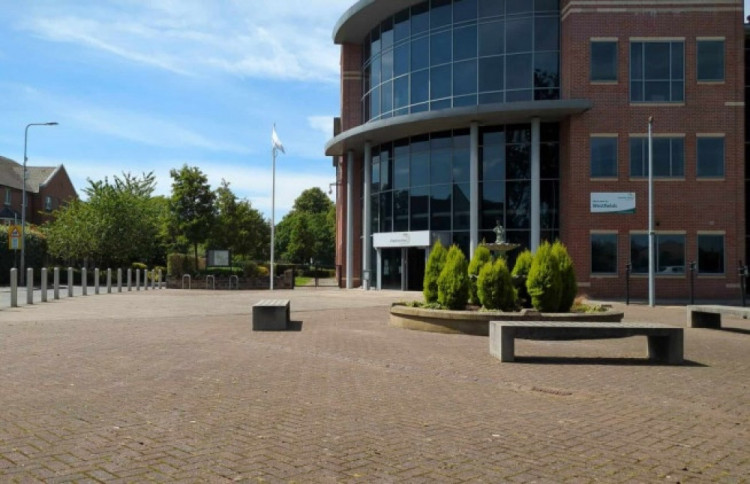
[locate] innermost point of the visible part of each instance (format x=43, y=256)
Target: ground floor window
x=604, y=253
x=669, y=253
x=710, y=254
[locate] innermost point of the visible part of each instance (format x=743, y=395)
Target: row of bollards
x=156, y=283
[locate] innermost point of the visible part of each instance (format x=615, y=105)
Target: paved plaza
x=174, y=386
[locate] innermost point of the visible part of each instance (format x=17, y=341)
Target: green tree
x=434, y=265
x=482, y=255
x=495, y=286
x=453, y=282
x=567, y=276
x=192, y=205
x=544, y=283
x=308, y=230
x=238, y=226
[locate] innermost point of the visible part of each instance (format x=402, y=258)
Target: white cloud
x=323, y=124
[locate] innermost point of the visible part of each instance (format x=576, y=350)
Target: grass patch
x=302, y=280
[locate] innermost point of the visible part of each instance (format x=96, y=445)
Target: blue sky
x=143, y=86
x=148, y=86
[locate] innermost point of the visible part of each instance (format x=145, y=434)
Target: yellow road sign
x=14, y=237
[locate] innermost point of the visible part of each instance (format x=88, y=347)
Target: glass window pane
x=375, y=103
x=420, y=168
x=492, y=210
x=518, y=72
x=710, y=60
x=401, y=92
x=440, y=48
x=546, y=5
x=440, y=13
x=604, y=61
x=386, y=95
x=518, y=203
x=465, y=77
x=656, y=91
x=710, y=157
x=386, y=166
x=493, y=162
x=639, y=253
x=662, y=156
x=461, y=206
x=461, y=165
x=603, y=157
x=375, y=174
x=604, y=253
x=440, y=167
x=465, y=43
x=375, y=41
x=401, y=59
x=386, y=212
x=386, y=34
x=678, y=157
x=518, y=6
x=401, y=165
x=375, y=71
x=420, y=53
x=490, y=8
x=518, y=35
x=657, y=56
x=518, y=159
x=546, y=70
x=440, y=82
x=711, y=254
x=671, y=254
x=440, y=207
x=491, y=38
x=549, y=154
x=420, y=19
x=678, y=60
x=400, y=210
x=420, y=208
x=491, y=74
x=638, y=160
x=420, y=86
x=464, y=10
x=549, y=205
x=546, y=35
x=401, y=27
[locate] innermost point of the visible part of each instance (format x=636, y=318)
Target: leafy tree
x=192, y=205
x=544, y=283
x=453, y=282
x=567, y=275
x=434, y=265
x=523, y=263
x=308, y=230
x=312, y=200
x=482, y=255
x=238, y=226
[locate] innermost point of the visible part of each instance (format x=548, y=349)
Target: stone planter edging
x=478, y=322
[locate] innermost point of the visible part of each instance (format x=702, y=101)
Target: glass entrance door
x=392, y=268
x=415, y=270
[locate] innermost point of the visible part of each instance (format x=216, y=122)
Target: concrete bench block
x=271, y=315
x=709, y=316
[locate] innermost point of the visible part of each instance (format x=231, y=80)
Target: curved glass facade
x=441, y=54
x=422, y=183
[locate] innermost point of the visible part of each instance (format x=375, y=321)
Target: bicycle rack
x=213, y=282
x=236, y=280
x=189, y=279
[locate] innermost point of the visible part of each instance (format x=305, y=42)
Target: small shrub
x=453, y=282
x=569, y=288
x=250, y=269
x=495, y=286
x=523, y=264
x=139, y=265
x=544, y=283
x=482, y=256
x=263, y=271
x=432, y=271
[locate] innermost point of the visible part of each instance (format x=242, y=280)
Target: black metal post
x=743, y=274
x=627, y=284
x=692, y=282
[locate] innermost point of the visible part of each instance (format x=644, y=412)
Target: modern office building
x=461, y=115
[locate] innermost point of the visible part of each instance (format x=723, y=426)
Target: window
x=8, y=196
x=48, y=203
x=604, y=253
x=669, y=252
x=710, y=60
x=710, y=254
x=657, y=72
x=669, y=157
x=604, y=60
x=710, y=157
x=603, y=157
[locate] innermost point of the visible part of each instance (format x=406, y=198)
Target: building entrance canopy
x=391, y=240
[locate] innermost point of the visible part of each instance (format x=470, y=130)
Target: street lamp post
x=23, y=195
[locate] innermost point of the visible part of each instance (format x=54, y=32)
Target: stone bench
x=665, y=343
x=709, y=316
x=271, y=315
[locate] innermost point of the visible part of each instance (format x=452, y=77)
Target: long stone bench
x=665, y=343
x=271, y=315
x=709, y=316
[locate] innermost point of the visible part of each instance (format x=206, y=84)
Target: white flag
x=276, y=141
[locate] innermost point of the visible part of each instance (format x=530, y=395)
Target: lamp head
x=53, y=123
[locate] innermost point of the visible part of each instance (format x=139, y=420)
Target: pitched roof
x=11, y=175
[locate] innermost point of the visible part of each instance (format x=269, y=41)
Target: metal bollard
x=70, y=282
x=160, y=283
x=153, y=279
x=109, y=281
x=130, y=272
x=742, y=270
x=44, y=284
x=14, y=288
x=56, y=283
x=96, y=280
x=29, y=286
x=145, y=279
x=628, y=267
x=692, y=282
x=84, y=282
x=137, y=279
x=119, y=279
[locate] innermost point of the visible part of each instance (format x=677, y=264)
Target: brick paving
x=173, y=386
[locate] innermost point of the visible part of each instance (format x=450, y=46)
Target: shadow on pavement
x=563, y=360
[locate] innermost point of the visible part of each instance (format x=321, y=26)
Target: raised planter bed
x=478, y=322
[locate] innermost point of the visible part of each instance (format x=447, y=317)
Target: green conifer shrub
x=544, y=282
x=567, y=275
x=523, y=264
x=482, y=256
x=495, y=286
x=453, y=282
x=432, y=271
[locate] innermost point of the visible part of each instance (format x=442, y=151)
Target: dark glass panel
x=401, y=27
x=375, y=174
x=671, y=253
x=491, y=74
x=518, y=203
x=375, y=71
x=657, y=91
x=710, y=157
x=657, y=60
x=491, y=98
x=386, y=212
x=549, y=208
x=662, y=157
x=546, y=93
x=375, y=103
x=549, y=132
x=440, y=13
x=464, y=10
x=678, y=60
x=461, y=139
x=639, y=253
x=518, y=161
x=401, y=92
x=401, y=210
x=420, y=53
x=604, y=253
x=375, y=41
x=493, y=162
x=386, y=63
x=465, y=77
x=492, y=209
x=519, y=95
x=638, y=160
x=494, y=136
x=678, y=91
x=420, y=168
x=420, y=86
x=420, y=208
x=440, y=82
x=462, y=240
x=440, y=207
x=386, y=94
x=440, y=166
x=441, y=47
x=549, y=160
x=461, y=164
x=710, y=254
x=386, y=168
x=490, y=8
x=518, y=133
x=461, y=101
x=420, y=143
x=513, y=7
x=386, y=34
x=465, y=43
x=518, y=71
x=546, y=33
x=678, y=157
x=518, y=38
x=375, y=200
x=603, y=61
x=420, y=18
x=441, y=140
x=636, y=91
x=547, y=5
x=401, y=164
x=603, y=157
x=711, y=60
x=443, y=104
x=419, y=108
x=546, y=70
x=401, y=59
x=491, y=38
x=636, y=60
x=461, y=208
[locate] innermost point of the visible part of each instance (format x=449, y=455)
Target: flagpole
x=273, y=207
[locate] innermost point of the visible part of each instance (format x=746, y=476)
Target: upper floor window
x=657, y=72
x=48, y=203
x=8, y=196
x=603, y=157
x=603, y=60
x=668, y=158
x=710, y=157
x=710, y=60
